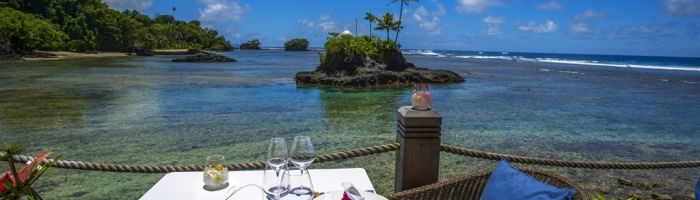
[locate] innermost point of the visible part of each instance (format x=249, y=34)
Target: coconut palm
x=371, y=18
x=387, y=23
x=403, y=2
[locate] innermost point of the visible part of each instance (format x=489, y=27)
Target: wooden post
x=418, y=159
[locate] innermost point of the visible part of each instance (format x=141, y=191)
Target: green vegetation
x=371, y=18
x=296, y=44
x=92, y=25
x=252, y=44
x=387, y=23
x=403, y=2
x=23, y=32
x=344, y=53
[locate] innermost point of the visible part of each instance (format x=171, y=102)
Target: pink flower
x=6, y=177
x=24, y=172
x=27, y=169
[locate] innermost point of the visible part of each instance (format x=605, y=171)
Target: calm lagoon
x=150, y=111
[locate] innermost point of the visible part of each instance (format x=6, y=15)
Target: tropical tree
x=251, y=44
x=26, y=32
x=296, y=44
x=371, y=18
x=387, y=23
x=403, y=2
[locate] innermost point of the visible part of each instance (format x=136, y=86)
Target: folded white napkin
x=351, y=192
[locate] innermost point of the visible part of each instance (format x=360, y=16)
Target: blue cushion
x=697, y=190
x=507, y=182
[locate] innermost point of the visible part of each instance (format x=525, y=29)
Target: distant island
x=365, y=61
x=91, y=26
x=368, y=61
x=296, y=44
x=252, y=44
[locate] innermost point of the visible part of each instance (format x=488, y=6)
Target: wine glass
x=300, y=185
x=215, y=173
x=275, y=185
x=302, y=152
x=277, y=154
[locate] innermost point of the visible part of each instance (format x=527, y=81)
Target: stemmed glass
x=274, y=183
x=302, y=152
x=277, y=154
x=300, y=184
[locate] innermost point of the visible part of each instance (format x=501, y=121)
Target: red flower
x=6, y=177
x=27, y=169
x=24, y=172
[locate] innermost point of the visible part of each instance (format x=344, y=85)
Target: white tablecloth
x=189, y=185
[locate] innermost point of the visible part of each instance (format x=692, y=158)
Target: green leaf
x=33, y=195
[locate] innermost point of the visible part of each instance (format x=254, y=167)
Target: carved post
x=418, y=159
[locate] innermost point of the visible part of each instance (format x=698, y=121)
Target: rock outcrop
x=204, y=57
x=373, y=74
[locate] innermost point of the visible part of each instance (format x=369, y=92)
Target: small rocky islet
x=363, y=61
x=203, y=56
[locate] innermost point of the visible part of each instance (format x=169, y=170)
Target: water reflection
x=48, y=108
x=372, y=109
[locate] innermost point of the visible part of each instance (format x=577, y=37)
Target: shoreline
x=64, y=55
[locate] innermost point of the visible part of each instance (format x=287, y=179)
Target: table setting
x=286, y=176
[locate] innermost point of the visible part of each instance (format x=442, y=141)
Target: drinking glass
x=215, y=173
x=421, y=98
x=275, y=184
x=302, y=152
x=300, y=185
x=277, y=154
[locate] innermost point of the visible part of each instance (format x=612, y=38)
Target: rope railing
x=565, y=163
x=184, y=168
x=370, y=151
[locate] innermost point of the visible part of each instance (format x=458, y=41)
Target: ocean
x=150, y=111
x=642, y=62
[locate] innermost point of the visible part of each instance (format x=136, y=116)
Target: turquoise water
x=148, y=110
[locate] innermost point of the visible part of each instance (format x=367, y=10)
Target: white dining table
x=190, y=186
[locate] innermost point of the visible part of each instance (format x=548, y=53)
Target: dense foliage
x=92, y=25
x=252, y=44
x=344, y=53
x=296, y=44
x=23, y=32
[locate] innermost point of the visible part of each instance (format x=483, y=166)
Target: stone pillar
x=418, y=159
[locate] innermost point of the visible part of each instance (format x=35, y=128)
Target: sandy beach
x=62, y=55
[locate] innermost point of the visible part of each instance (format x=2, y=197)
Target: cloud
x=578, y=28
x=327, y=24
x=222, y=11
x=475, y=6
x=682, y=7
x=139, y=5
x=494, y=25
x=640, y=29
x=429, y=22
x=545, y=27
x=580, y=24
x=550, y=5
x=306, y=23
x=320, y=27
x=589, y=14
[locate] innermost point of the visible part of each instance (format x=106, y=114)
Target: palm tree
x=371, y=18
x=387, y=23
x=403, y=2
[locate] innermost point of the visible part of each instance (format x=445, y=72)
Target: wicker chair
x=470, y=187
